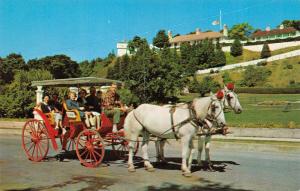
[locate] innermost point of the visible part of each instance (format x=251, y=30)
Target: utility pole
x=220, y=19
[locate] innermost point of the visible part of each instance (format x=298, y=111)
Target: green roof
x=86, y=81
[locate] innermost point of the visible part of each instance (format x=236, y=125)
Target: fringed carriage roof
x=86, y=81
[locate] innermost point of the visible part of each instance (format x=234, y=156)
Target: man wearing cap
x=113, y=106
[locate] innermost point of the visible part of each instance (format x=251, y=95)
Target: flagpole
x=220, y=19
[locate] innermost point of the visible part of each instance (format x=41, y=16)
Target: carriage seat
x=72, y=114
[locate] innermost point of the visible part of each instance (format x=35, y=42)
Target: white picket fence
x=253, y=62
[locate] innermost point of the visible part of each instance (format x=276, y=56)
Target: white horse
x=230, y=100
x=156, y=120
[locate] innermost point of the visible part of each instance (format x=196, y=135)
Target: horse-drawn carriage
x=89, y=143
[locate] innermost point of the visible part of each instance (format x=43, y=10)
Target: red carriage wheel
x=90, y=148
x=35, y=140
x=120, y=146
x=71, y=144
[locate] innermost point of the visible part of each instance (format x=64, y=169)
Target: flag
x=216, y=22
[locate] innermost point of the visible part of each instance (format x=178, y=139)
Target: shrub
x=262, y=63
x=265, y=52
x=289, y=66
x=236, y=48
x=256, y=90
x=226, y=78
x=254, y=76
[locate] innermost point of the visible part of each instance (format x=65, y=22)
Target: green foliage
x=288, y=66
x=240, y=31
x=262, y=63
x=226, y=78
x=201, y=56
x=265, y=52
x=254, y=76
x=136, y=43
x=206, y=85
x=291, y=23
x=60, y=66
x=128, y=97
x=257, y=90
x=161, y=39
x=152, y=76
x=219, y=58
x=18, y=98
x=236, y=48
x=9, y=66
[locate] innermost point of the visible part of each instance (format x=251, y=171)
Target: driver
x=113, y=107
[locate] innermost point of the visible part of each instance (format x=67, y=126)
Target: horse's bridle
x=228, y=100
x=214, y=118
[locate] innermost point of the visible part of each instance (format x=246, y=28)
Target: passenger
x=113, y=106
x=45, y=107
x=73, y=104
x=82, y=99
x=56, y=106
x=94, y=105
x=93, y=101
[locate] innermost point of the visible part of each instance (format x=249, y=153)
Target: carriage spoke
x=32, y=154
x=85, y=151
x=95, y=159
x=97, y=153
x=37, y=151
x=31, y=146
x=26, y=143
x=42, y=148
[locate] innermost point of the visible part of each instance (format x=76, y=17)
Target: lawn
x=249, y=55
x=280, y=77
x=264, y=110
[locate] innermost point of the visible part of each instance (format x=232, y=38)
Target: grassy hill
x=281, y=76
x=249, y=55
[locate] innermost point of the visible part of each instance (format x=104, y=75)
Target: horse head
x=231, y=99
x=210, y=108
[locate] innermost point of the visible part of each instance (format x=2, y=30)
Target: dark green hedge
x=268, y=90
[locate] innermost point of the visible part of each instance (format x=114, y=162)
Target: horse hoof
x=131, y=169
x=210, y=168
x=187, y=174
x=150, y=169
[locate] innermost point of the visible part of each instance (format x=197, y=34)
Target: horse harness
x=193, y=120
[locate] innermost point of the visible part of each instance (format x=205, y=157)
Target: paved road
x=238, y=165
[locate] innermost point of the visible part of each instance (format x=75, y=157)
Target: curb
x=243, y=134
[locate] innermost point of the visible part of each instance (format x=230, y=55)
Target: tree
x=254, y=76
x=161, y=39
x=265, y=52
x=240, y=31
x=291, y=23
x=236, y=48
x=60, y=66
x=136, y=43
x=18, y=99
x=220, y=58
x=9, y=66
x=207, y=85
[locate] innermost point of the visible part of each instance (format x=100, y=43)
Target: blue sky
x=86, y=29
